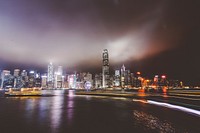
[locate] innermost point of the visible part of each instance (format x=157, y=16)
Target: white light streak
x=174, y=107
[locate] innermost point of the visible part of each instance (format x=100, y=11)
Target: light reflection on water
x=70, y=109
x=30, y=105
x=49, y=110
x=56, y=112
x=151, y=122
x=43, y=107
x=64, y=113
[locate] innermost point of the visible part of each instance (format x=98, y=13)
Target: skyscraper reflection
x=70, y=109
x=56, y=112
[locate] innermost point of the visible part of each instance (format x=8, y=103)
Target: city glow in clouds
x=38, y=32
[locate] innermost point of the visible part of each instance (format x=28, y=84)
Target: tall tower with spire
x=105, y=69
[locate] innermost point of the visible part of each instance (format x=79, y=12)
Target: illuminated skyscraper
x=72, y=81
x=24, y=77
x=60, y=70
x=50, y=75
x=5, y=76
x=105, y=69
x=117, y=78
x=58, y=78
x=127, y=78
x=123, y=70
x=16, y=72
x=50, y=72
x=44, y=81
x=97, y=80
x=24, y=73
x=38, y=80
x=17, y=79
x=31, y=79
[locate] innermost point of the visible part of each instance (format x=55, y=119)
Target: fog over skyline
x=75, y=32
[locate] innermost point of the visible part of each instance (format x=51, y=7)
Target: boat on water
x=24, y=92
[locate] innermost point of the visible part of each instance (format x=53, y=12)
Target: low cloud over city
x=75, y=32
x=72, y=32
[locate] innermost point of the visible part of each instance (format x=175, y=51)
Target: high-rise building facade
x=87, y=79
x=105, y=69
x=24, y=77
x=16, y=72
x=24, y=73
x=38, y=80
x=72, y=81
x=123, y=70
x=127, y=78
x=117, y=78
x=5, y=78
x=50, y=72
x=84, y=79
x=44, y=81
x=97, y=80
x=60, y=70
x=50, y=76
x=59, y=78
x=31, y=79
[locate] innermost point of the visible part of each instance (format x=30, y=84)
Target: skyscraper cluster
x=124, y=78
x=20, y=79
x=56, y=78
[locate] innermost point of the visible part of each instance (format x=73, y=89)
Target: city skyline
x=56, y=79
x=53, y=69
x=157, y=37
x=99, y=66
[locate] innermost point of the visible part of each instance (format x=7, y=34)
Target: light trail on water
x=177, y=107
x=193, y=111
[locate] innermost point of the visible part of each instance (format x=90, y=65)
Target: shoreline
x=175, y=100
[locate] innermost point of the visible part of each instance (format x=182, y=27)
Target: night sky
x=151, y=36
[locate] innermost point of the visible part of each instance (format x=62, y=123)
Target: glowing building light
x=72, y=81
x=31, y=72
x=37, y=75
x=138, y=73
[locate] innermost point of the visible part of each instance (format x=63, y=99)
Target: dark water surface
x=87, y=114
